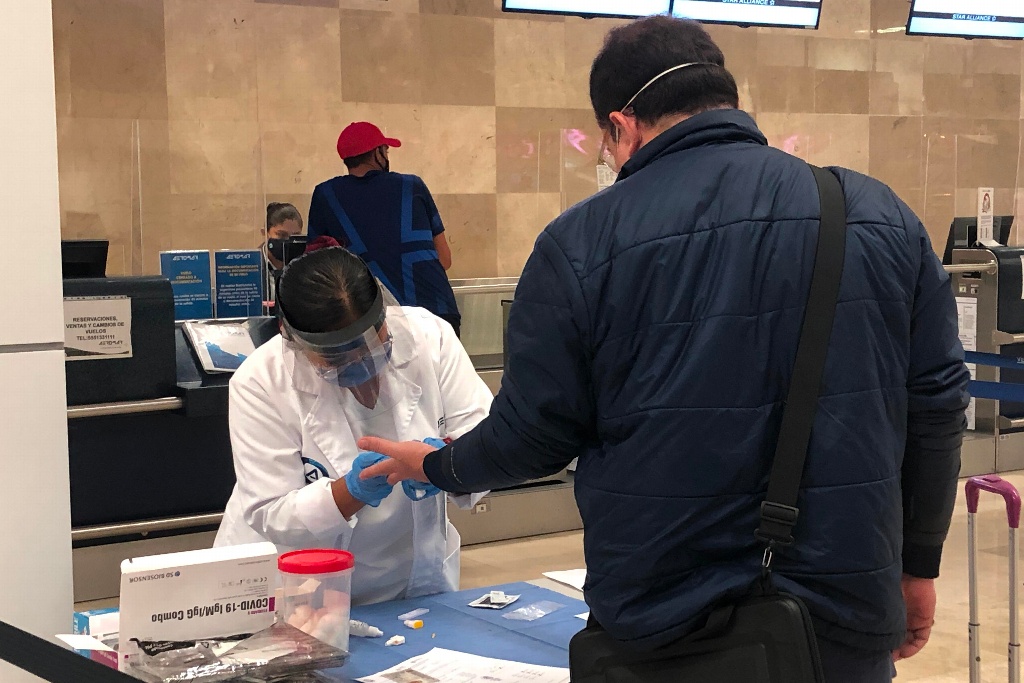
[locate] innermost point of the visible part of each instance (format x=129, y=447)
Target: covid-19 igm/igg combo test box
x=196, y=595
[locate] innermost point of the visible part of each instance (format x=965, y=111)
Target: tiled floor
x=943, y=661
x=524, y=560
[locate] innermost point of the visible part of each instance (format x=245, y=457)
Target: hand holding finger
x=377, y=445
x=406, y=457
x=385, y=468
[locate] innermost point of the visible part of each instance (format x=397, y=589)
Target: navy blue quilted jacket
x=653, y=335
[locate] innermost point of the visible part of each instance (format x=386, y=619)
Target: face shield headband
x=350, y=356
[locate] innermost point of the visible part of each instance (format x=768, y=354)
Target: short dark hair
x=326, y=290
x=279, y=212
x=355, y=162
x=637, y=52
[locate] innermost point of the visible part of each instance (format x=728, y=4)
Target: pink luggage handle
x=1010, y=495
x=997, y=485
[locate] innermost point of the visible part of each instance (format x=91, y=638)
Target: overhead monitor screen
x=967, y=18
x=590, y=8
x=788, y=13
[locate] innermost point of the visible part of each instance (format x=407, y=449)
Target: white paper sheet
x=450, y=666
x=79, y=641
x=967, y=317
x=570, y=577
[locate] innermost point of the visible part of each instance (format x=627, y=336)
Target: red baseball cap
x=362, y=137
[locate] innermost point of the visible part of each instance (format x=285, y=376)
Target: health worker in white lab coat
x=349, y=363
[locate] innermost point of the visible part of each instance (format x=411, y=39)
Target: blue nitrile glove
x=370, y=491
x=417, y=490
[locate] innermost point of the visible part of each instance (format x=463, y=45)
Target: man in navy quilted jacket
x=653, y=335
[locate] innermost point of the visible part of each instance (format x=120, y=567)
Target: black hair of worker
x=326, y=290
x=635, y=53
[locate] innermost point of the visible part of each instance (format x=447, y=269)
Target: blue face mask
x=362, y=371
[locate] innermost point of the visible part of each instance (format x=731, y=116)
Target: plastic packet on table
x=485, y=602
x=278, y=653
x=534, y=611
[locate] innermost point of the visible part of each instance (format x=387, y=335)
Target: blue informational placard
x=189, y=273
x=239, y=283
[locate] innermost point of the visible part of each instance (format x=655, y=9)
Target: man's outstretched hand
x=405, y=459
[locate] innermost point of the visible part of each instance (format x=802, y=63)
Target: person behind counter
x=349, y=362
x=388, y=219
x=283, y=221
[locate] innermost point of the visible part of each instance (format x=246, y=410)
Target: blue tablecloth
x=453, y=625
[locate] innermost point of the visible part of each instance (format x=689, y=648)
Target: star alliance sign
x=975, y=17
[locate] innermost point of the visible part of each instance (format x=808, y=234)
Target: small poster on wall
x=986, y=216
x=189, y=273
x=239, y=283
x=97, y=327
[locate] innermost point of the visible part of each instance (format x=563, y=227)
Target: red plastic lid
x=315, y=561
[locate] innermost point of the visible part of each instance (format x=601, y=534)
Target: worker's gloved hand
x=369, y=491
x=417, y=491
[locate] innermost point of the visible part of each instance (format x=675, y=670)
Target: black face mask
x=276, y=248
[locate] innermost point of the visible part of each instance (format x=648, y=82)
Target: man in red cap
x=388, y=219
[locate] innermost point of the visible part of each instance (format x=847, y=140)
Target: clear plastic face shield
x=349, y=357
x=608, y=168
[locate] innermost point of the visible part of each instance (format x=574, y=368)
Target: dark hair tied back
x=279, y=212
x=326, y=290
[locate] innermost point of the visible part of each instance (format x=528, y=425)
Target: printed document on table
x=570, y=577
x=448, y=666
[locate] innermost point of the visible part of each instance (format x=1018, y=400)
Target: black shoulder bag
x=766, y=637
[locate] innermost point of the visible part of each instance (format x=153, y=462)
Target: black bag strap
x=52, y=662
x=778, y=511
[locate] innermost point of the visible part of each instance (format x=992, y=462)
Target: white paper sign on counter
x=97, y=327
x=967, y=318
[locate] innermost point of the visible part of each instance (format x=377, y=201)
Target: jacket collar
x=369, y=175
x=305, y=378
x=710, y=127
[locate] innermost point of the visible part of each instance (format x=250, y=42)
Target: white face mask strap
x=664, y=73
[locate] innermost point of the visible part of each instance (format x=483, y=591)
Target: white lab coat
x=292, y=433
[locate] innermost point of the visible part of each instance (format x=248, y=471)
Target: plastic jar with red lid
x=316, y=593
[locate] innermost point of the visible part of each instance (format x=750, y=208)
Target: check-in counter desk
x=540, y=507
x=988, y=283
x=150, y=455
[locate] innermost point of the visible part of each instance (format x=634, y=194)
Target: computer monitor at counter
x=83, y=258
x=963, y=234
x=291, y=248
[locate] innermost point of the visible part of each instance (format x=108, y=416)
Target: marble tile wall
x=178, y=120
